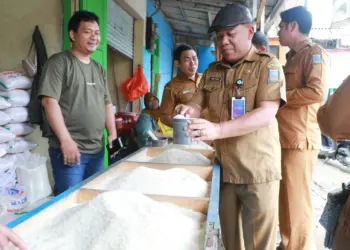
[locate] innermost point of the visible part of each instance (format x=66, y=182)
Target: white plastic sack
x=13, y=198
x=4, y=118
x=6, y=135
x=17, y=97
x=10, y=80
x=20, y=128
x=19, y=146
x=3, y=149
x=17, y=114
x=4, y=104
x=33, y=174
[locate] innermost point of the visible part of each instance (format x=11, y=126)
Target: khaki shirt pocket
x=214, y=99
x=186, y=96
x=290, y=73
x=249, y=92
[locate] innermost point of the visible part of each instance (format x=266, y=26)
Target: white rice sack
x=4, y=118
x=3, y=149
x=17, y=98
x=20, y=128
x=10, y=80
x=6, y=135
x=4, y=104
x=20, y=145
x=17, y=114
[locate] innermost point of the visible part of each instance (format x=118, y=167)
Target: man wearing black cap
x=243, y=93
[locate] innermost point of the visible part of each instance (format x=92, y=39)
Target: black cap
x=230, y=16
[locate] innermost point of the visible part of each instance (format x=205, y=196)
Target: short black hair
x=260, y=39
x=81, y=16
x=178, y=51
x=300, y=15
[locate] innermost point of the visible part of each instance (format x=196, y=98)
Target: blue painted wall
x=167, y=45
x=204, y=57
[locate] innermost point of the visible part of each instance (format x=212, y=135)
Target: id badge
x=237, y=107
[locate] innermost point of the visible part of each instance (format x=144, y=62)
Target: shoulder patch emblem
x=274, y=75
x=316, y=59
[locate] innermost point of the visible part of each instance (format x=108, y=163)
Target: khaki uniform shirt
x=334, y=116
x=178, y=91
x=82, y=94
x=255, y=157
x=306, y=80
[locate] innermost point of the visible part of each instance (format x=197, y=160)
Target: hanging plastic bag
x=136, y=86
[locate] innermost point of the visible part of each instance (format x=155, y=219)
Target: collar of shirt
x=251, y=56
x=299, y=47
x=183, y=78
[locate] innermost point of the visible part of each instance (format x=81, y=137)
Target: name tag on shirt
x=213, y=78
x=187, y=91
x=90, y=83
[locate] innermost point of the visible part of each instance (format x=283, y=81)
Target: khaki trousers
x=248, y=215
x=295, y=207
x=342, y=234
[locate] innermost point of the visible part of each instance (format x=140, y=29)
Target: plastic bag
x=20, y=128
x=10, y=80
x=14, y=198
x=6, y=136
x=17, y=98
x=19, y=146
x=3, y=149
x=136, y=86
x=4, y=118
x=32, y=173
x=17, y=114
x=4, y=104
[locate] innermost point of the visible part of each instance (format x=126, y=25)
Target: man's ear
x=72, y=35
x=263, y=49
x=294, y=26
x=250, y=32
x=177, y=63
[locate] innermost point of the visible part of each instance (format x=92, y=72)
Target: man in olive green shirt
x=75, y=96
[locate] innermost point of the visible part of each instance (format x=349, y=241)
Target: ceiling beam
x=185, y=17
x=341, y=23
x=210, y=18
x=192, y=34
x=259, y=16
x=189, y=6
x=209, y=3
x=181, y=22
x=274, y=15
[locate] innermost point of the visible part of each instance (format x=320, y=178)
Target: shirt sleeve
x=272, y=84
x=107, y=95
x=316, y=69
x=52, y=78
x=168, y=101
x=334, y=116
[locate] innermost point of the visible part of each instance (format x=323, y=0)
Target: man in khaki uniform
x=181, y=88
x=247, y=146
x=334, y=120
x=305, y=73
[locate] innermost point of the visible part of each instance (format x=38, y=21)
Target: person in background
x=7, y=236
x=261, y=41
x=75, y=96
x=334, y=120
x=181, y=88
x=148, y=119
x=243, y=92
x=300, y=137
